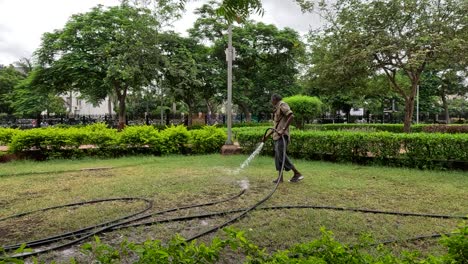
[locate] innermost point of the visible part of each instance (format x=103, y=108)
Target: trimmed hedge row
x=395, y=128
x=452, y=129
x=98, y=139
x=416, y=150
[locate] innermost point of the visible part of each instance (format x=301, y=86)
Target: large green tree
x=105, y=51
x=395, y=37
x=31, y=97
x=265, y=63
x=9, y=78
x=182, y=73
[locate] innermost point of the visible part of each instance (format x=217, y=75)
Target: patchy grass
x=179, y=180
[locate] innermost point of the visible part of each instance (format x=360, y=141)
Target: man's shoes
x=279, y=179
x=296, y=178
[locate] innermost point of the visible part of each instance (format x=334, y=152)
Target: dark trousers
x=280, y=147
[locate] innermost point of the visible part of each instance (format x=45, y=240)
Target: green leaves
x=325, y=249
x=209, y=139
x=239, y=10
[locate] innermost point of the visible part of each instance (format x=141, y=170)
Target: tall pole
x=229, y=87
x=417, y=105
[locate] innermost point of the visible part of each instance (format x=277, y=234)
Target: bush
x=207, y=140
x=66, y=142
x=174, y=140
x=452, y=129
x=457, y=245
x=44, y=139
x=141, y=137
x=6, y=134
x=61, y=142
x=394, y=128
x=415, y=150
x=304, y=108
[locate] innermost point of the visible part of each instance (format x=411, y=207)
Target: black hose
x=246, y=211
x=85, y=233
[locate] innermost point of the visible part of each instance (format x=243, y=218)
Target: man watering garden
x=282, y=117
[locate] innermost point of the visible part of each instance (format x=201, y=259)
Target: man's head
x=276, y=98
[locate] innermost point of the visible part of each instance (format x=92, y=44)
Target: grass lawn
x=179, y=180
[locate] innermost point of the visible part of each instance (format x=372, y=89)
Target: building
x=78, y=106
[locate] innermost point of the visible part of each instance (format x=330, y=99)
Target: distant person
x=282, y=117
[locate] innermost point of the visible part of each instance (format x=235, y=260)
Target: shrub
x=174, y=139
x=304, y=107
x=44, y=139
x=457, y=245
x=207, y=140
x=394, y=128
x=140, y=137
x=61, y=142
x=453, y=129
x=103, y=141
x=6, y=134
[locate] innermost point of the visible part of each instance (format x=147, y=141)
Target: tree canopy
x=105, y=51
x=393, y=37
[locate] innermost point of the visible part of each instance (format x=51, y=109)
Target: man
x=282, y=117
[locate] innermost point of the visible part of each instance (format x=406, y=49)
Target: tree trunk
x=245, y=111
x=190, y=115
x=121, y=96
x=109, y=105
x=38, y=120
x=409, y=110
x=445, y=105
x=209, y=114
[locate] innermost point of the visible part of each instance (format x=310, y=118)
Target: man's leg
x=288, y=165
x=278, y=160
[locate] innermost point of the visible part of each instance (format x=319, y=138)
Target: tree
x=396, y=36
x=105, y=51
x=181, y=71
x=30, y=98
x=9, y=78
x=265, y=64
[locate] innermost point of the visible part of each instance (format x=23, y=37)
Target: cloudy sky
x=22, y=22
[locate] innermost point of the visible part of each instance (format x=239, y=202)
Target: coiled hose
x=129, y=220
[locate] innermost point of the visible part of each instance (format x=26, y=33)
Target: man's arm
x=281, y=130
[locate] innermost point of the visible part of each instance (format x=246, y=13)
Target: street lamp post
x=229, y=57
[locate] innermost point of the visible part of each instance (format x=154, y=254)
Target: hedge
x=452, y=129
x=100, y=140
x=207, y=140
x=424, y=150
x=6, y=134
x=395, y=128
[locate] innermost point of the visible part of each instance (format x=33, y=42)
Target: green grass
x=179, y=180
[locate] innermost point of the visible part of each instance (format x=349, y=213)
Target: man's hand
x=280, y=132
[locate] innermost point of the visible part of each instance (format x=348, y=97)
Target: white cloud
x=22, y=22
